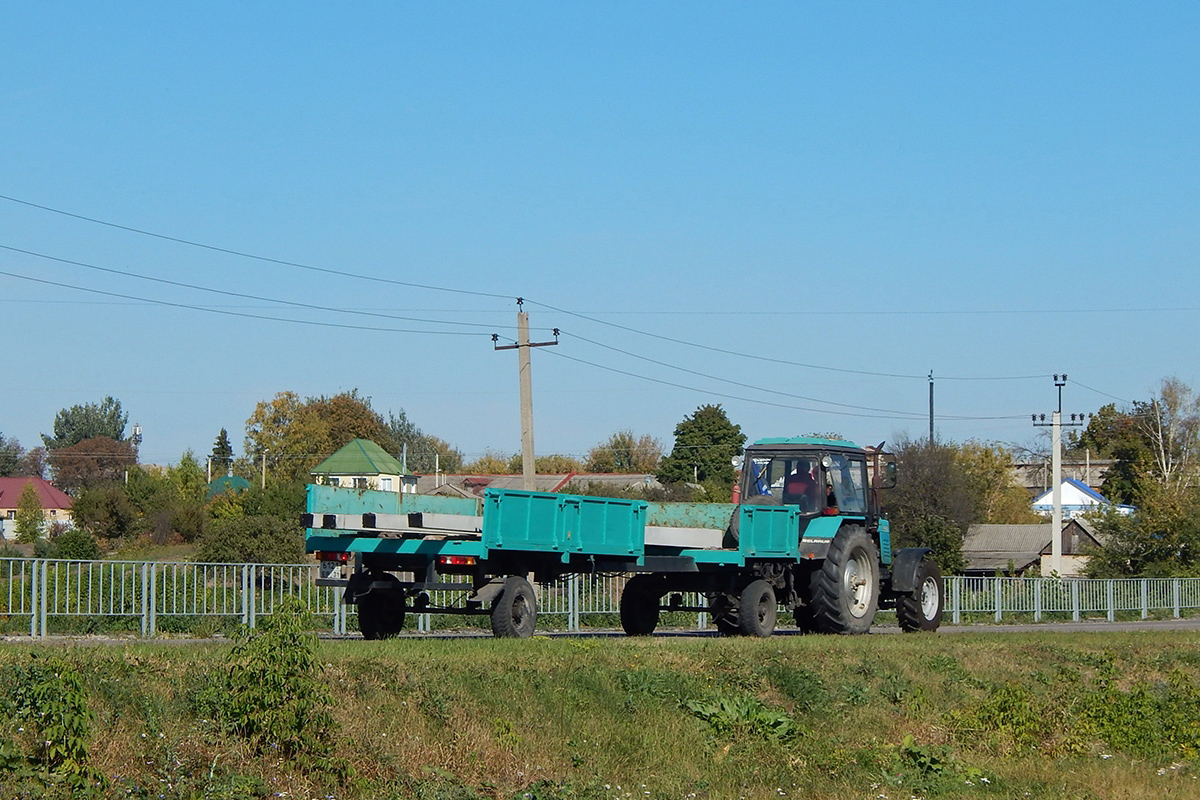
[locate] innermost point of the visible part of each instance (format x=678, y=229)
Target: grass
x=1040, y=715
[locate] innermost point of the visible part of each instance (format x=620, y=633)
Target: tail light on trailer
x=322, y=555
x=456, y=561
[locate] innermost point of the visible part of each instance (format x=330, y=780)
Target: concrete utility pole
x=930, y=408
x=1056, y=425
x=526, y=378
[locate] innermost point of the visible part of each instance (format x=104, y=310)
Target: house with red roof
x=56, y=506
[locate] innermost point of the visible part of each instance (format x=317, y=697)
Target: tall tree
x=91, y=462
x=706, y=442
x=222, y=454
x=298, y=434
x=11, y=454
x=34, y=463
x=30, y=518
x=624, y=452
x=1172, y=428
x=88, y=421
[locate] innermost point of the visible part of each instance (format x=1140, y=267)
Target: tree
x=11, y=454
x=88, y=421
x=432, y=452
x=706, y=443
x=34, y=463
x=105, y=512
x=492, y=462
x=421, y=452
x=624, y=452
x=187, y=480
x=30, y=517
x=222, y=454
x=298, y=434
x=931, y=499
x=1160, y=540
x=1171, y=425
x=91, y=462
x=991, y=482
x=553, y=464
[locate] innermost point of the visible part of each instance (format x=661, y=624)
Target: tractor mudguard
x=904, y=568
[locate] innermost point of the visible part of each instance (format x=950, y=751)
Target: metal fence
x=46, y=596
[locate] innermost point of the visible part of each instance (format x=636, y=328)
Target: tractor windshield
x=787, y=480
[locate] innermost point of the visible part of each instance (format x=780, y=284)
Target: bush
x=75, y=543
x=258, y=539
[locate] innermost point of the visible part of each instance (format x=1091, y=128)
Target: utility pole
x=930, y=408
x=264, y=469
x=1055, y=426
x=526, y=379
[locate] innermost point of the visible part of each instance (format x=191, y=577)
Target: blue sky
x=992, y=191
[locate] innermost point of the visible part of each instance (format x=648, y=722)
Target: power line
x=759, y=402
x=232, y=313
x=1097, y=391
x=242, y=254
x=228, y=293
x=912, y=414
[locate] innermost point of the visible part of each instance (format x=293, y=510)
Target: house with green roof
x=362, y=464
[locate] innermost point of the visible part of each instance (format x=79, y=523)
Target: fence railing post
x=45, y=593
x=145, y=592
x=998, y=598
x=956, y=599
x=153, y=600
x=1075, y=601
x=1175, y=596
x=573, y=603
x=34, y=597
x=252, y=595
x=245, y=595
x=1037, y=599
x=1112, y=600
x=1145, y=598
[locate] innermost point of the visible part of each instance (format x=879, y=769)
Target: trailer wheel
x=381, y=611
x=514, y=612
x=757, y=609
x=846, y=587
x=922, y=609
x=639, y=606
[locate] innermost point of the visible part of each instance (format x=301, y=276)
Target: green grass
x=1038, y=715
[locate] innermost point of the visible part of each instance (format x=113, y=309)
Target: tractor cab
x=822, y=477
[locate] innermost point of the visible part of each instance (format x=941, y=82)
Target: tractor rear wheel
x=846, y=587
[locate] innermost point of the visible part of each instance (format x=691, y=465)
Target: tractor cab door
x=845, y=484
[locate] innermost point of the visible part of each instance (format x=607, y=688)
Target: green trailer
x=806, y=536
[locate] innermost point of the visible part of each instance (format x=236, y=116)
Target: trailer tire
x=381, y=611
x=757, y=609
x=921, y=610
x=514, y=611
x=846, y=587
x=639, y=606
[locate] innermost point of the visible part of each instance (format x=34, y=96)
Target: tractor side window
x=849, y=480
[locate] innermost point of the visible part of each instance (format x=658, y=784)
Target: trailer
x=806, y=537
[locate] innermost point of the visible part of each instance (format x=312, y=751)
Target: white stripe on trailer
x=692, y=538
